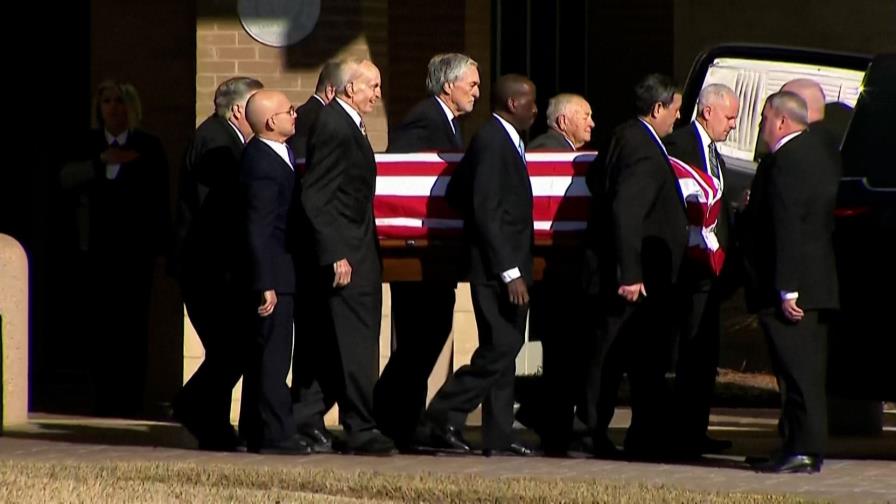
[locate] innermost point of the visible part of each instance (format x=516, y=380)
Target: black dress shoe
x=292, y=446
x=604, y=448
x=372, y=444
x=448, y=437
x=320, y=440
x=511, y=450
x=224, y=441
x=710, y=445
x=790, y=464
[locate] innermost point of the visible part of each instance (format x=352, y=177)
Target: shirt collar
x=321, y=100
x=704, y=136
x=514, y=134
x=786, y=139
x=280, y=149
x=572, y=145
x=121, y=139
x=655, y=136
x=351, y=112
x=237, y=130
x=448, y=113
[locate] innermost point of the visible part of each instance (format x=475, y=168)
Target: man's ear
x=330, y=92
x=511, y=104
x=657, y=109
x=561, y=122
x=350, y=89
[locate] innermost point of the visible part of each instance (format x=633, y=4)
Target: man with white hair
x=337, y=195
x=423, y=312
x=698, y=344
x=555, y=316
x=569, y=124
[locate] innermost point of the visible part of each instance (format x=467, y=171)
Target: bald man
x=337, y=195
x=788, y=247
x=267, y=179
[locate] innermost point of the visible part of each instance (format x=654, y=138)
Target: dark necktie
x=714, y=161
x=291, y=155
x=363, y=128
x=458, y=137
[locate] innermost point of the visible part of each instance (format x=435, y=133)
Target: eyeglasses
x=291, y=111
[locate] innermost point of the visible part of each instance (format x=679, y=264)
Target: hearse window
x=753, y=80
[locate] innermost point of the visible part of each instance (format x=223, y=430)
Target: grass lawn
x=180, y=482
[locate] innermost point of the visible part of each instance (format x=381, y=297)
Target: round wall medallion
x=278, y=23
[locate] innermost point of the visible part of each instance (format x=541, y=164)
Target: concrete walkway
x=857, y=470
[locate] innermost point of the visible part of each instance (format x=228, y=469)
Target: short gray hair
x=232, y=91
x=712, y=94
x=446, y=68
x=558, y=105
x=345, y=73
x=328, y=75
x=791, y=105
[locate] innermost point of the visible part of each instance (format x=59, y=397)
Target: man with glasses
x=267, y=178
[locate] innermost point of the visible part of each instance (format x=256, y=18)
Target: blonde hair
x=129, y=96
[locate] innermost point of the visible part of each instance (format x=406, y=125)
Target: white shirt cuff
x=511, y=275
x=789, y=295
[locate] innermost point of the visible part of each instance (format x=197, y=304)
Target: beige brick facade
x=399, y=37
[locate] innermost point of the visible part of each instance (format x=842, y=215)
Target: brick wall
x=400, y=37
x=346, y=28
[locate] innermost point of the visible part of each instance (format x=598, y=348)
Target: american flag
x=702, y=195
x=410, y=194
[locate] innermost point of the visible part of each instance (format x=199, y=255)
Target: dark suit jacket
x=337, y=194
x=685, y=144
x=267, y=182
x=551, y=140
x=425, y=128
x=209, y=202
x=306, y=115
x=491, y=188
x=789, y=222
x=129, y=214
x=646, y=212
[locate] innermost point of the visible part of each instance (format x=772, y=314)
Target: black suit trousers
x=698, y=353
x=488, y=379
x=316, y=368
x=355, y=311
x=266, y=407
x=636, y=339
x=557, y=318
x=422, y=316
x=215, y=312
x=799, y=358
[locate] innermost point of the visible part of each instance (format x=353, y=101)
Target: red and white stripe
x=702, y=194
x=410, y=194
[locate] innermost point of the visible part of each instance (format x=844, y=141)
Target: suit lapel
x=270, y=152
x=662, y=152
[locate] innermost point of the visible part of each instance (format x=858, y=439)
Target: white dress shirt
x=280, y=149
x=112, y=169
x=513, y=273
